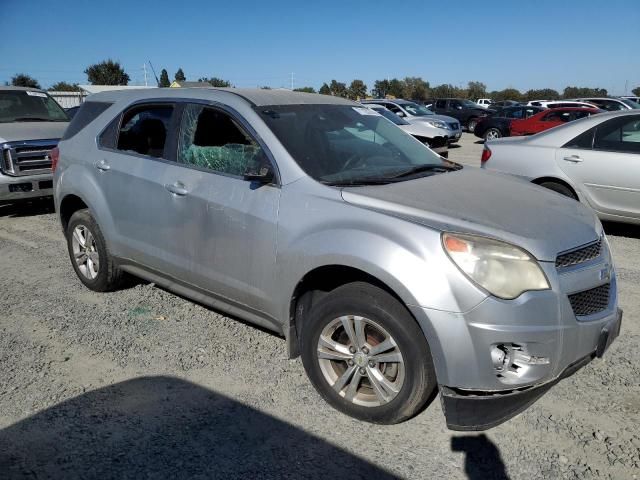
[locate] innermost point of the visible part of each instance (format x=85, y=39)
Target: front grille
x=579, y=255
x=454, y=125
x=27, y=158
x=591, y=301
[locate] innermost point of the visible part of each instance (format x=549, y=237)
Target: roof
x=108, y=88
x=21, y=89
x=186, y=84
x=255, y=96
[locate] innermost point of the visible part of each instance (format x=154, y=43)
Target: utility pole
x=144, y=67
x=291, y=80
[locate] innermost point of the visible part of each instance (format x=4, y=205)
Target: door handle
x=177, y=189
x=102, y=165
x=573, y=159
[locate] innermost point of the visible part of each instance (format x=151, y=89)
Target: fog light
x=500, y=356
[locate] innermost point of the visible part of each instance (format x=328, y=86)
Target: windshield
x=28, y=106
x=349, y=145
x=416, y=110
x=389, y=115
x=631, y=103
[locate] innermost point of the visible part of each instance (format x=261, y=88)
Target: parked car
x=279, y=208
x=485, y=103
x=436, y=138
x=498, y=124
x=31, y=122
x=504, y=103
x=549, y=118
x=595, y=160
x=412, y=113
x=633, y=99
x=466, y=111
x=611, y=104
x=71, y=111
x=559, y=104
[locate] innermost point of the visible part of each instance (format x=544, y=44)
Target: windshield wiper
x=426, y=168
x=31, y=119
x=358, y=182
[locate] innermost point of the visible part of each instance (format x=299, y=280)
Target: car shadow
x=164, y=427
x=621, y=229
x=482, y=458
x=27, y=208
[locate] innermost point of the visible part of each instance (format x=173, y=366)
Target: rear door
x=605, y=163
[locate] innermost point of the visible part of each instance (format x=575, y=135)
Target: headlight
x=504, y=270
x=436, y=123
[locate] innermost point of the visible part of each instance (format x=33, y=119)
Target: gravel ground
x=141, y=383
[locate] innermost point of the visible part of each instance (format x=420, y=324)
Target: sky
x=503, y=43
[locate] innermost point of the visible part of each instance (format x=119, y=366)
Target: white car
x=595, y=160
x=559, y=104
x=484, y=102
x=436, y=138
x=611, y=104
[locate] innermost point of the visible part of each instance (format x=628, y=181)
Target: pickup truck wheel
x=367, y=356
x=492, y=134
x=560, y=188
x=89, y=255
x=471, y=124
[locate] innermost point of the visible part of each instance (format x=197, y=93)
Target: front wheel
x=367, y=356
x=471, y=124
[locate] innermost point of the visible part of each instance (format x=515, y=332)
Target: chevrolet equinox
x=392, y=272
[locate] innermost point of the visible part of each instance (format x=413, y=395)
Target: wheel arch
x=68, y=206
x=549, y=179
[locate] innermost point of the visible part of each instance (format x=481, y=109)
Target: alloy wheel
x=492, y=134
x=85, y=252
x=361, y=361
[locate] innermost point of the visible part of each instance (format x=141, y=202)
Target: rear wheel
x=492, y=134
x=89, y=254
x=366, y=355
x=559, y=188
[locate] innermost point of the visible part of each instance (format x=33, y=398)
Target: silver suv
x=390, y=270
x=31, y=123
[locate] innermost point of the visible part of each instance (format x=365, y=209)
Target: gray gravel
x=141, y=383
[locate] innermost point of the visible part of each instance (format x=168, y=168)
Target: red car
x=550, y=118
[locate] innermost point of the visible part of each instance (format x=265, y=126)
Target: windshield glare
x=25, y=106
x=417, y=110
x=630, y=103
x=347, y=144
x=389, y=115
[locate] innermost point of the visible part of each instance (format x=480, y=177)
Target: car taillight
x=486, y=154
x=55, y=156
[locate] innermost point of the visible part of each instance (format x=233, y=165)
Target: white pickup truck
x=31, y=123
x=484, y=102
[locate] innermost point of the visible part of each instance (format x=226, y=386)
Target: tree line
x=110, y=72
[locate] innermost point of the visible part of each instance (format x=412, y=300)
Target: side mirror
x=401, y=114
x=262, y=174
x=459, y=107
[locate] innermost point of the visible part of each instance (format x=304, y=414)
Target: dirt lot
x=141, y=383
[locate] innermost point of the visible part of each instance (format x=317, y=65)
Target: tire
x=492, y=133
x=96, y=269
x=406, y=381
x=560, y=188
x=471, y=124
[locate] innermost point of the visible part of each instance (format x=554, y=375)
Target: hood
x=16, y=131
x=442, y=118
x=495, y=205
x=423, y=129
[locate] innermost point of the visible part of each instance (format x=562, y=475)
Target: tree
x=338, y=89
x=445, y=91
x=305, y=89
x=216, y=82
x=357, y=90
x=380, y=88
x=107, y=73
x=636, y=91
x=542, y=94
x=324, y=89
x=164, y=79
x=476, y=90
x=179, y=76
x=64, y=87
x=396, y=88
x=23, y=80
x=415, y=88
x=577, y=92
x=506, y=94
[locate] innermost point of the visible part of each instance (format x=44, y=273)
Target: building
x=186, y=84
x=74, y=99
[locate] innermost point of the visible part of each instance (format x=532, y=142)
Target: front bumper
x=475, y=411
x=25, y=187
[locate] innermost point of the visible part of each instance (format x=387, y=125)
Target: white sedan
x=595, y=160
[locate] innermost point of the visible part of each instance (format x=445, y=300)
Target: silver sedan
x=595, y=160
